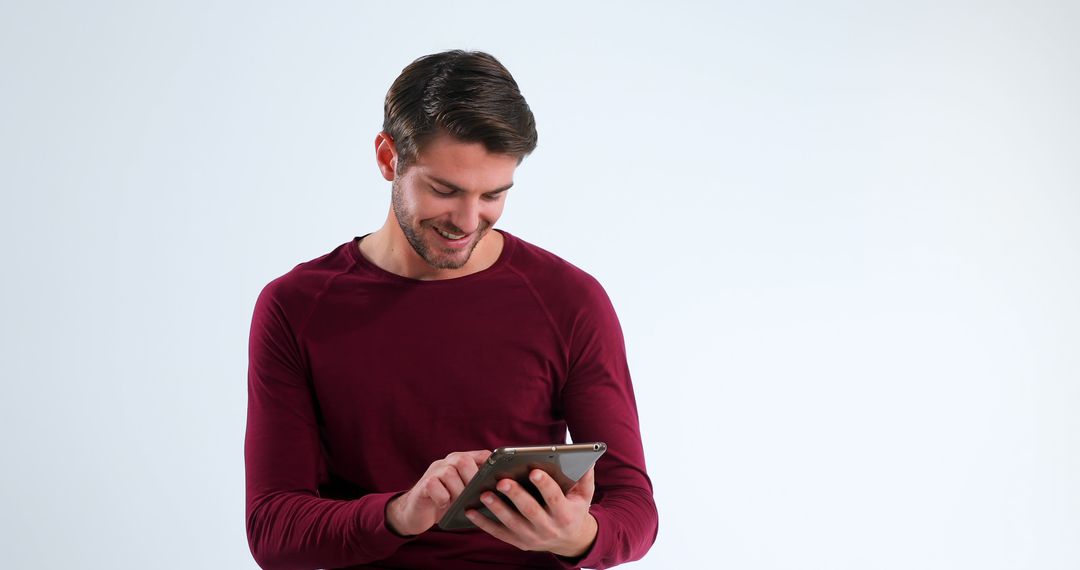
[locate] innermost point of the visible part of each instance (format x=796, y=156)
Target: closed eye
x=488, y=197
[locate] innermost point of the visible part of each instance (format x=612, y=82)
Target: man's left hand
x=564, y=527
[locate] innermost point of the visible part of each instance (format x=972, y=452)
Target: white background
x=842, y=239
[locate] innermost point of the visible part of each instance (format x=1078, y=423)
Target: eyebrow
x=463, y=191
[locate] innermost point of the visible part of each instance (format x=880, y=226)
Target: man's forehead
x=444, y=151
x=464, y=166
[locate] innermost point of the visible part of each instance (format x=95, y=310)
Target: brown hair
x=467, y=94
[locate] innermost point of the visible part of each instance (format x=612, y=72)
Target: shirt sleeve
x=599, y=405
x=289, y=526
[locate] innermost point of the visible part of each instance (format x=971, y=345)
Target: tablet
x=566, y=463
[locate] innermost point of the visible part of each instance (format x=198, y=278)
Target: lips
x=464, y=239
x=449, y=235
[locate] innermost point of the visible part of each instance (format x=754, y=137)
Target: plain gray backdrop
x=842, y=239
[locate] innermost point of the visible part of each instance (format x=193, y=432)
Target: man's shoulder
x=303, y=282
x=572, y=297
x=551, y=275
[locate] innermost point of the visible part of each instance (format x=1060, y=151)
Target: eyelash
x=448, y=194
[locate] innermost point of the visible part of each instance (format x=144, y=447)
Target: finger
x=478, y=456
x=493, y=528
x=525, y=503
x=435, y=491
x=549, y=489
x=585, y=487
x=468, y=472
x=468, y=462
x=505, y=514
x=452, y=481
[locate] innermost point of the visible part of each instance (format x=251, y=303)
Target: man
x=382, y=373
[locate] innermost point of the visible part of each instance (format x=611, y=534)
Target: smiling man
x=382, y=373
x=436, y=228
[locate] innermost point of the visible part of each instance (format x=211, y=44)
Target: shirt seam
x=318, y=298
x=547, y=313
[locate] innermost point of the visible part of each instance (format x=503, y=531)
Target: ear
x=386, y=155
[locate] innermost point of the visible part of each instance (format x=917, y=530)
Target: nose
x=466, y=215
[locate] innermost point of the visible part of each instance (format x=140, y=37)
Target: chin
x=446, y=263
x=451, y=260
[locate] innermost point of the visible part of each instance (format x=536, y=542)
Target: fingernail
x=535, y=477
x=486, y=499
x=504, y=487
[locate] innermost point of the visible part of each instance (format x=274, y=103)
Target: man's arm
x=609, y=516
x=288, y=524
x=598, y=399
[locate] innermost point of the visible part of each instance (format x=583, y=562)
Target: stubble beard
x=414, y=232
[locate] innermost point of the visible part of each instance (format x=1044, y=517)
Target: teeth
x=449, y=236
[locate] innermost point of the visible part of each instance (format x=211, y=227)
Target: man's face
x=449, y=198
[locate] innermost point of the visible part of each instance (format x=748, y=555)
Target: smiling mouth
x=449, y=236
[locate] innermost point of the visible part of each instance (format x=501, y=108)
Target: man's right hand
x=423, y=505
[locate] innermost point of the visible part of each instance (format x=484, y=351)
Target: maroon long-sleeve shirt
x=359, y=378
